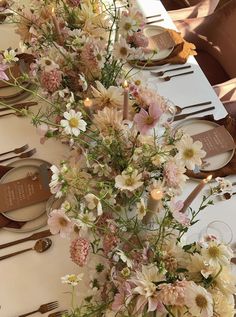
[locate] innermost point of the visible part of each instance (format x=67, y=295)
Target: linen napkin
x=4, y=221
x=182, y=50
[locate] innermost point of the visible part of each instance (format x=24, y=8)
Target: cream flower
x=128, y=181
x=189, y=152
x=94, y=202
x=145, y=280
x=108, y=120
x=111, y=97
x=198, y=301
x=72, y=279
x=198, y=268
x=216, y=254
x=141, y=209
x=223, y=306
x=73, y=123
x=225, y=281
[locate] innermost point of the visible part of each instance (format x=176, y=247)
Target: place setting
x=120, y=214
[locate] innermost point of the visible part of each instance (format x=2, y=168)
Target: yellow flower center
x=127, y=26
x=149, y=120
x=72, y=278
x=123, y=51
x=63, y=222
x=129, y=181
x=201, y=301
x=188, y=153
x=142, y=210
x=73, y=122
x=214, y=252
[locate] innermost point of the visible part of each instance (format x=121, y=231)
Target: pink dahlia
x=147, y=120
x=51, y=80
x=79, y=250
x=173, y=294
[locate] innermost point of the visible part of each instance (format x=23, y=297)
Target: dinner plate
x=152, y=30
x=26, y=213
x=196, y=126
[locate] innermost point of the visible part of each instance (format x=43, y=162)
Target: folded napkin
x=182, y=50
x=4, y=221
x=230, y=169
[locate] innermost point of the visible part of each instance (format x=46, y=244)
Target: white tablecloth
x=30, y=279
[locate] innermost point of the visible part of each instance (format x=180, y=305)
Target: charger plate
x=41, y=220
x=152, y=30
x=196, y=126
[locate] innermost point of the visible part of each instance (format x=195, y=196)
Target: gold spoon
x=179, y=109
x=40, y=246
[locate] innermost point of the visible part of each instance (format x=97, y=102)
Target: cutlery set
x=154, y=21
x=17, y=106
x=20, y=150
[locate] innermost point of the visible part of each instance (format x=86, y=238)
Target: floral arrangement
x=126, y=165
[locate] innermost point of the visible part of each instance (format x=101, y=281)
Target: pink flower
x=110, y=241
x=79, y=250
x=172, y=294
x=51, y=80
x=138, y=39
x=3, y=67
x=123, y=297
x=179, y=216
x=58, y=222
x=147, y=120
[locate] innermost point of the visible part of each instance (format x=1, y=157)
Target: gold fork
x=58, y=313
x=43, y=309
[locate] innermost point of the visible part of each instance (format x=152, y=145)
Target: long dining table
x=31, y=279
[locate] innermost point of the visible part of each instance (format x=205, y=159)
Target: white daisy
x=122, y=50
x=198, y=300
x=73, y=123
x=72, y=279
x=189, y=152
x=127, y=26
x=9, y=56
x=128, y=181
x=216, y=253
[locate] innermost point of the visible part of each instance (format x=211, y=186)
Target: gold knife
x=183, y=116
x=34, y=236
x=20, y=105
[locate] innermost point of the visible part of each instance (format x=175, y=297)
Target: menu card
x=161, y=41
x=215, y=141
x=24, y=192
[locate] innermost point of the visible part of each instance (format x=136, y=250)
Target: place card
x=24, y=192
x=161, y=41
x=215, y=141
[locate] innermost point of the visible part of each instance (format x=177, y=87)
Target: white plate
x=196, y=126
x=152, y=30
